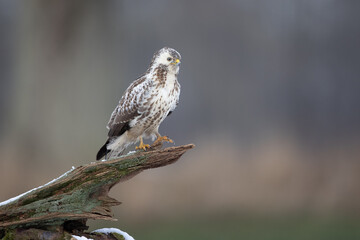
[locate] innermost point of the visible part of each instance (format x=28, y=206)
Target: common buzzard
x=144, y=105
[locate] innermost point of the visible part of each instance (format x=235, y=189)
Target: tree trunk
x=79, y=194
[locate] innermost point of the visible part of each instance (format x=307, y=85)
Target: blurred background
x=270, y=96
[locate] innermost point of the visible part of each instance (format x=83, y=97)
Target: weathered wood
x=82, y=193
x=35, y=233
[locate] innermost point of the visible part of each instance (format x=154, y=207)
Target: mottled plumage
x=144, y=105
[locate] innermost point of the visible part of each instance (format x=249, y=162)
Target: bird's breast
x=161, y=100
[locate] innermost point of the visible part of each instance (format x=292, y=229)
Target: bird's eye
x=169, y=59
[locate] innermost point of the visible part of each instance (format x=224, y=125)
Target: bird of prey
x=144, y=105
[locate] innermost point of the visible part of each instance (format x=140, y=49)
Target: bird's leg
x=142, y=145
x=162, y=139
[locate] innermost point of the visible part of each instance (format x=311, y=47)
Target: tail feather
x=115, y=153
x=103, y=151
x=114, y=147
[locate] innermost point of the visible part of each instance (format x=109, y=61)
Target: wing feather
x=128, y=108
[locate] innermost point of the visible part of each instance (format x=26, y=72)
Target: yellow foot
x=143, y=146
x=163, y=139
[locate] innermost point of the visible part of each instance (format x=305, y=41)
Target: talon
x=142, y=146
x=163, y=139
x=168, y=139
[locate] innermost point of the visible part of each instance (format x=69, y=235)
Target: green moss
x=47, y=192
x=122, y=170
x=9, y=235
x=29, y=200
x=65, y=236
x=76, y=195
x=118, y=236
x=91, y=169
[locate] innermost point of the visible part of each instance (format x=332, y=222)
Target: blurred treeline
x=270, y=96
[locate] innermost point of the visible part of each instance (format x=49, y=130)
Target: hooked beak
x=176, y=62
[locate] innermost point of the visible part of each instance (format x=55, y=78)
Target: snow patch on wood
x=114, y=230
x=23, y=194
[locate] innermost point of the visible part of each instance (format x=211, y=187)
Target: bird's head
x=168, y=57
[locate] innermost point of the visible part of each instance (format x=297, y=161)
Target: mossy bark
x=82, y=193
